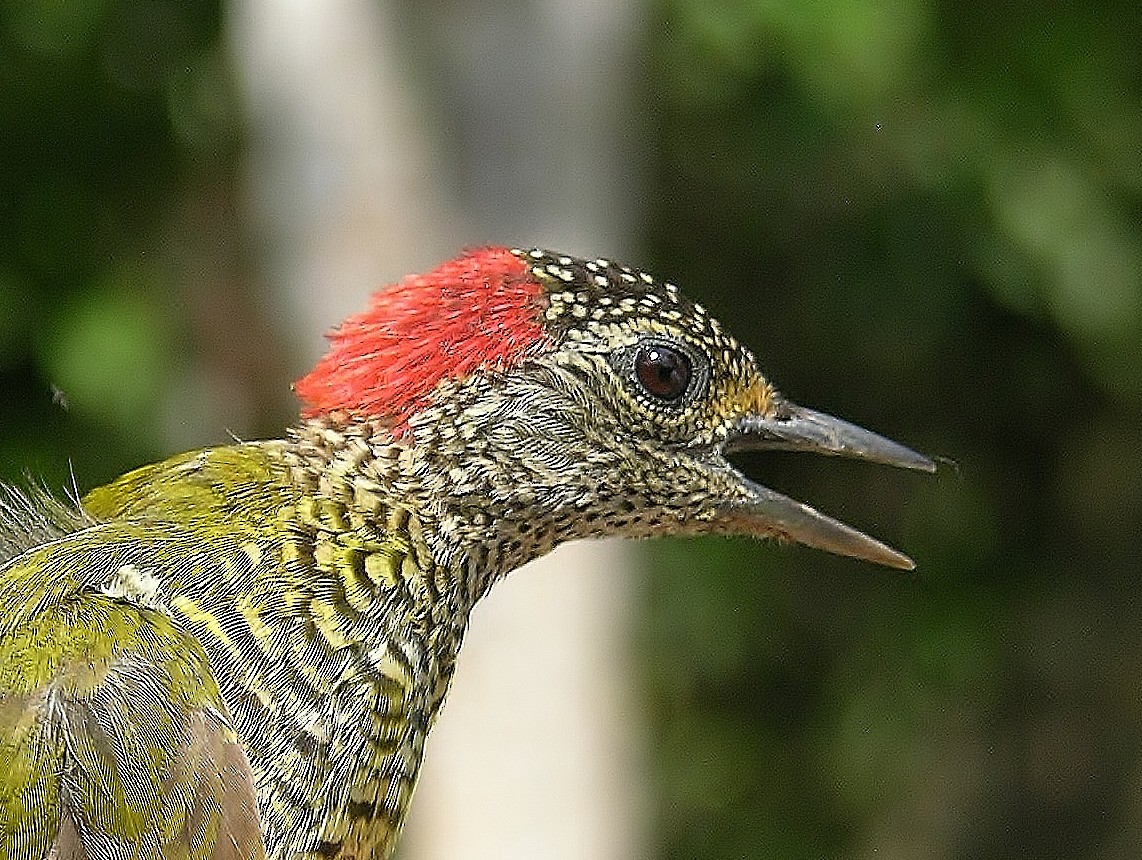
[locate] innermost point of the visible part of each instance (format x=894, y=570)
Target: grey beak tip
x=800, y=429
x=882, y=554
x=905, y=563
x=924, y=463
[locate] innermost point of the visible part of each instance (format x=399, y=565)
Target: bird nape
x=240, y=651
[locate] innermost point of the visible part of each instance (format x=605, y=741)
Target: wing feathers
x=118, y=741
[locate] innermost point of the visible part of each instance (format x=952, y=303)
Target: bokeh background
x=926, y=217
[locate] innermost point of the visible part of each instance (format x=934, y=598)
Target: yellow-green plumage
x=104, y=699
x=239, y=652
x=277, y=600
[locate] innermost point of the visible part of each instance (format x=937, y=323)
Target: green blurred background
x=926, y=217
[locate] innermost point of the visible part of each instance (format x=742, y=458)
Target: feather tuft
x=33, y=516
x=480, y=311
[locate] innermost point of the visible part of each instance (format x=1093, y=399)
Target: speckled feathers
x=491, y=310
x=276, y=623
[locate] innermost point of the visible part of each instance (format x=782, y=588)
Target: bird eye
x=662, y=371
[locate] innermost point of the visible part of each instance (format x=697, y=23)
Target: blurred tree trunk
x=538, y=753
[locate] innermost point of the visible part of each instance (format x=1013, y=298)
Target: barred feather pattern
x=239, y=652
x=311, y=638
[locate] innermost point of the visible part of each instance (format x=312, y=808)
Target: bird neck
x=462, y=535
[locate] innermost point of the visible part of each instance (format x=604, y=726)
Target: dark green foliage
x=926, y=219
x=110, y=113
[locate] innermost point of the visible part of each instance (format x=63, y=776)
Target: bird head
x=545, y=397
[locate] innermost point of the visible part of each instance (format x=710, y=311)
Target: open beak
x=794, y=428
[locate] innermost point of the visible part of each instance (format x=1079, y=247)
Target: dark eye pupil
x=663, y=372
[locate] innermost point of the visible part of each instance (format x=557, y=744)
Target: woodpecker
x=239, y=652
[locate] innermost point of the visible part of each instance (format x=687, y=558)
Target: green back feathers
x=230, y=487
x=114, y=735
